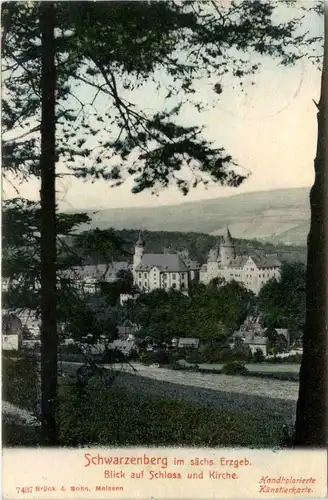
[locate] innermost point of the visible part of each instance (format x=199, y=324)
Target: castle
x=253, y=271
x=166, y=270
x=173, y=270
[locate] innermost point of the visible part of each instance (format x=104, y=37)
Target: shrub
x=144, y=357
x=173, y=357
x=195, y=357
x=225, y=354
x=234, y=368
x=240, y=354
x=176, y=366
x=160, y=357
x=206, y=356
x=258, y=356
x=293, y=358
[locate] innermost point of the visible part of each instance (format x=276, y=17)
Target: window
x=139, y=275
x=145, y=275
x=173, y=276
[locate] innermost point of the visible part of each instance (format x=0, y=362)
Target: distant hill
x=279, y=216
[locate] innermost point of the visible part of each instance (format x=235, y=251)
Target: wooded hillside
x=198, y=245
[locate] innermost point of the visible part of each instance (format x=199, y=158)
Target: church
x=253, y=271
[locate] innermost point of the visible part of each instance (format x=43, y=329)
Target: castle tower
x=227, y=249
x=139, y=250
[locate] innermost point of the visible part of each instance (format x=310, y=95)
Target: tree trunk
x=48, y=227
x=311, y=416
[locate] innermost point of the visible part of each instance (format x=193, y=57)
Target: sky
x=269, y=129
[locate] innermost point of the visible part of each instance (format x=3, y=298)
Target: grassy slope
x=277, y=216
x=123, y=418
x=120, y=417
x=128, y=419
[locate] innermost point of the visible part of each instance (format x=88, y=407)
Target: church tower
x=139, y=250
x=227, y=249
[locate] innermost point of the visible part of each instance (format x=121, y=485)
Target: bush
x=234, y=368
x=258, y=356
x=160, y=357
x=173, y=357
x=144, y=358
x=207, y=355
x=293, y=358
x=195, y=357
x=241, y=354
x=224, y=355
x=219, y=354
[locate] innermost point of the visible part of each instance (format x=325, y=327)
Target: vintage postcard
x=164, y=253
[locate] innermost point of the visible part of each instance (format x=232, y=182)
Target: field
x=272, y=389
x=125, y=417
x=157, y=406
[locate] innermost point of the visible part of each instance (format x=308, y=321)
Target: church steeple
x=227, y=249
x=139, y=250
x=227, y=238
x=140, y=241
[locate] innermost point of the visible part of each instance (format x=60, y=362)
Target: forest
x=197, y=245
